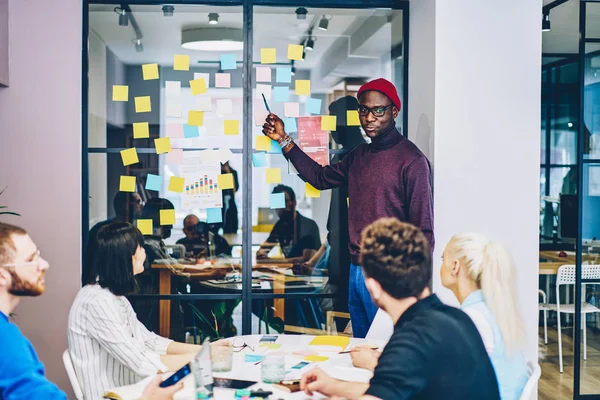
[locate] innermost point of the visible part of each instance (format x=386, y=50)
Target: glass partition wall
x=173, y=105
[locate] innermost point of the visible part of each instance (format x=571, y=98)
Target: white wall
x=40, y=128
x=486, y=114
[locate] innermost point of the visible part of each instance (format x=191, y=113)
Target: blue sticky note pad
x=290, y=125
x=153, y=182
x=214, y=215
x=190, y=131
x=283, y=75
x=277, y=200
x=228, y=61
x=313, y=106
x=252, y=357
x=275, y=148
x=259, y=160
x=281, y=93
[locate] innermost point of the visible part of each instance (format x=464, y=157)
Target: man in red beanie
x=388, y=177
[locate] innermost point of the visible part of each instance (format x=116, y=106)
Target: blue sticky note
x=259, y=160
x=275, y=148
x=228, y=61
x=313, y=106
x=214, y=215
x=153, y=182
x=252, y=357
x=283, y=75
x=290, y=125
x=190, y=131
x=281, y=93
x=277, y=200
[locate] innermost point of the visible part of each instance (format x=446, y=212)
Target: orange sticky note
x=198, y=86
x=176, y=184
x=268, y=56
x=328, y=122
x=150, y=71
x=181, y=62
x=295, y=51
x=167, y=217
x=232, y=127
x=225, y=181
x=120, y=93
x=195, y=118
x=145, y=226
x=352, y=118
x=142, y=104
x=127, y=184
x=263, y=143
x=141, y=130
x=163, y=145
x=311, y=191
x=302, y=87
x=273, y=175
x=129, y=156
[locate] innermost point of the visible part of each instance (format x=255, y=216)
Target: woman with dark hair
x=109, y=346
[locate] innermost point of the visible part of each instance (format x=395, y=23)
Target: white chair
x=534, y=375
x=72, y=375
x=566, y=276
x=543, y=306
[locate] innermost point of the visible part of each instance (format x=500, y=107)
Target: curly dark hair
x=397, y=255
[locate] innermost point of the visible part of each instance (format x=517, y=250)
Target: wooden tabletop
x=553, y=255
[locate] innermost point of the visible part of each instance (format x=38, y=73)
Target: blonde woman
x=481, y=275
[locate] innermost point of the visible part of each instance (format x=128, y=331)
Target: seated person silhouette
x=200, y=242
x=297, y=235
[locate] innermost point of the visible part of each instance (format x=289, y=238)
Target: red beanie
x=383, y=86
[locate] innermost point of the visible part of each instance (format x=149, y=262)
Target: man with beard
x=22, y=272
x=297, y=235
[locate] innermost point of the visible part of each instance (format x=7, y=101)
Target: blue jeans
x=361, y=306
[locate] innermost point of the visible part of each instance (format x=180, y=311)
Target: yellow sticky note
x=232, y=127
x=330, y=340
x=145, y=226
x=150, y=71
x=120, y=93
x=225, y=181
x=181, y=62
x=302, y=87
x=127, y=184
x=141, y=130
x=295, y=51
x=352, y=118
x=273, y=175
x=268, y=56
x=129, y=156
x=311, y=191
x=263, y=143
x=163, y=145
x=167, y=217
x=270, y=346
x=328, y=122
x=176, y=184
x=198, y=86
x=315, y=358
x=142, y=104
x=195, y=118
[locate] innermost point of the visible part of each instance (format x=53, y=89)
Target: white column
x=475, y=76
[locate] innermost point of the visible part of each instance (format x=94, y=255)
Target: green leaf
x=207, y=326
x=9, y=213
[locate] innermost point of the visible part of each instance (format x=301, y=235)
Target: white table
x=338, y=366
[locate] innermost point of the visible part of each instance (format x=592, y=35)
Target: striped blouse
x=109, y=346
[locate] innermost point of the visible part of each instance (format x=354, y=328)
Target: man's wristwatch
x=285, y=141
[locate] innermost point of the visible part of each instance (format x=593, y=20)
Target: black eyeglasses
x=376, y=111
x=240, y=344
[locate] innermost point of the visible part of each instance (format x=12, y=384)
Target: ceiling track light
x=213, y=18
x=310, y=43
x=293, y=69
x=546, y=22
x=168, y=10
x=303, y=56
x=123, y=18
x=301, y=13
x=139, y=47
x=324, y=22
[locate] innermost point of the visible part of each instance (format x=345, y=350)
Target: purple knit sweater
x=388, y=178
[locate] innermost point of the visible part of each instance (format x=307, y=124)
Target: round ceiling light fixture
x=212, y=39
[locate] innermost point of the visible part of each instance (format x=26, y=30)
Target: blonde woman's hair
x=491, y=266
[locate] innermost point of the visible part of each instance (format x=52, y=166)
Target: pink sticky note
x=175, y=156
x=291, y=110
x=260, y=115
x=223, y=80
x=263, y=74
x=175, y=130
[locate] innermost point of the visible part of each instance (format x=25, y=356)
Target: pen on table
x=350, y=351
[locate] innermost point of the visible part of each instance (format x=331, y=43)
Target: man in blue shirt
x=22, y=272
